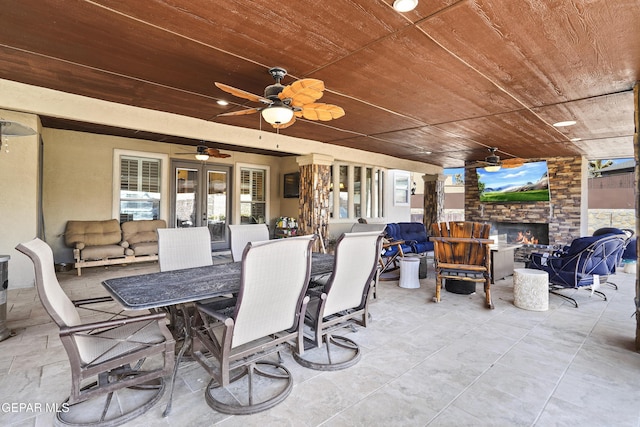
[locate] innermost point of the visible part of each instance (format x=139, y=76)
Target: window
x=359, y=191
x=140, y=188
x=401, y=189
x=253, y=190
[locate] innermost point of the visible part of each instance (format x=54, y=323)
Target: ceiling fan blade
x=285, y=125
x=476, y=165
x=323, y=112
x=243, y=93
x=240, y=113
x=214, y=152
x=512, y=163
x=304, y=91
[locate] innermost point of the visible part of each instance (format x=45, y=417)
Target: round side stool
x=409, y=271
x=531, y=289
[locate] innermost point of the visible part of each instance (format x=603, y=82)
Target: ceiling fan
x=284, y=103
x=203, y=153
x=492, y=162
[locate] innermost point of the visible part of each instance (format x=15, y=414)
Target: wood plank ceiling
x=439, y=84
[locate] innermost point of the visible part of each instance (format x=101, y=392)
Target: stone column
x=313, y=208
x=433, y=199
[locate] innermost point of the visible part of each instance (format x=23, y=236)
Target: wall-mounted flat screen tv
x=291, y=185
x=526, y=183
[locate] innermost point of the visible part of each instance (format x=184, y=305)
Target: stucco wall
x=78, y=178
x=19, y=188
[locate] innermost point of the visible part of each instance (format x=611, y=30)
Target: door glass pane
x=217, y=204
x=186, y=197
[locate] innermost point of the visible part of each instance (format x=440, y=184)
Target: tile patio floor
x=424, y=364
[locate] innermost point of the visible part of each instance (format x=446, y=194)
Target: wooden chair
x=110, y=352
x=462, y=252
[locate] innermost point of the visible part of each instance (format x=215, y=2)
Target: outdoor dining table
x=179, y=287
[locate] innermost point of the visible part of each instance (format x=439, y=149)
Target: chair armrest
x=462, y=240
x=110, y=323
x=213, y=312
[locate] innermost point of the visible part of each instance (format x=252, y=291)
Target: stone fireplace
x=523, y=233
x=561, y=220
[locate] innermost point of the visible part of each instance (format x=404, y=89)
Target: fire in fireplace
x=523, y=233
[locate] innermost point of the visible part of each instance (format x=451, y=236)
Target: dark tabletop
x=192, y=284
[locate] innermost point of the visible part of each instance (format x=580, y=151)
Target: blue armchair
x=393, y=232
x=577, y=266
x=414, y=235
x=627, y=234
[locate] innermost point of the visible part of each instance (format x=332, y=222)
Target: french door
x=201, y=198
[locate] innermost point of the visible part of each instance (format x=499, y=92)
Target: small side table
x=409, y=272
x=388, y=264
x=531, y=289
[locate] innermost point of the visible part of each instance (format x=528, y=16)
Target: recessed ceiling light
x=222, y=102
x=576, y=139
x=565, y=123
x=405, y=5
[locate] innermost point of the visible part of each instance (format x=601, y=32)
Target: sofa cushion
x=145, y=248
x=134, y=232
x=413, y=231
x=93, y=233
x=102, y=252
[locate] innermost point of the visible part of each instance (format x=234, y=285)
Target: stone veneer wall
x=313, y=210
x=433, y=200
x=566, y=197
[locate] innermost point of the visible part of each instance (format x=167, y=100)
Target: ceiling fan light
x=405, y=5
x=493, y=168
x=564, y=123
x=202, y=157
x=277, y=114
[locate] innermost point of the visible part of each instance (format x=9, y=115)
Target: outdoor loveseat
x=105, y=242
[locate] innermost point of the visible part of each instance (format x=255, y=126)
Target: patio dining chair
x=266, y=317
x=241, y=234
x=184, y=248
x=462, y=252
x=179, y=248
x=118, y=365
x=342, y=302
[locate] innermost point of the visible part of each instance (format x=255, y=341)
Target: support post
x=433, y=199
x=313, y=208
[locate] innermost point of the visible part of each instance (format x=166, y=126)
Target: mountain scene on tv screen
x=526, y=183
